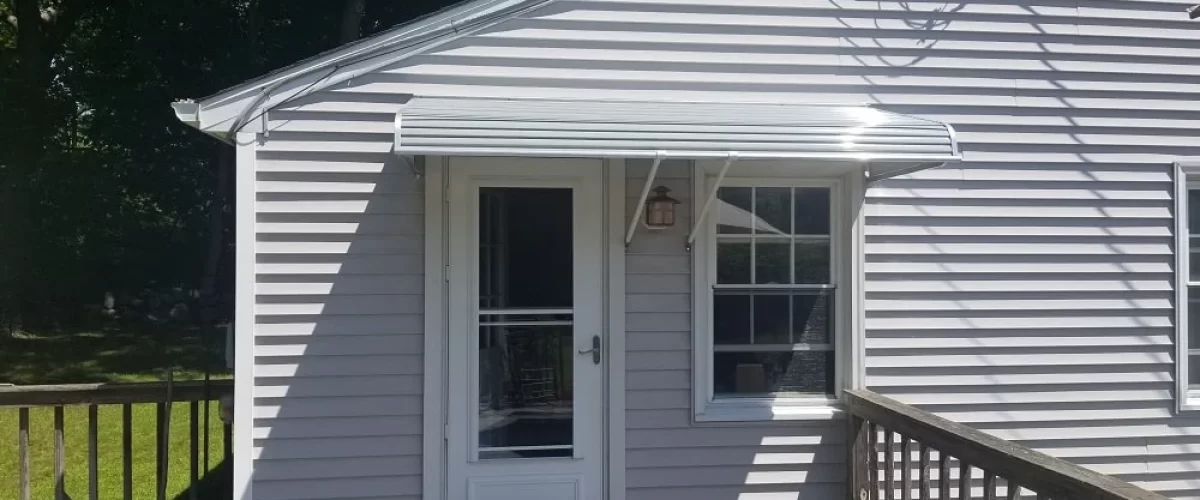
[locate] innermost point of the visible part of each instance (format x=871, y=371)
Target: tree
x=102, y=191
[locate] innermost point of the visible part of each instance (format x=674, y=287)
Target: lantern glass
x=660, y=209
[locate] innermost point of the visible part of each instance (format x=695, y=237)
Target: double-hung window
x=769, y=311
x=1188, y=279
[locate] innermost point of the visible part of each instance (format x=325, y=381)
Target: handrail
x=144, y=392
x=1049, y=477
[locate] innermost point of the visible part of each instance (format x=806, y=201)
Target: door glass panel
x=526, y=331
x=525, y=255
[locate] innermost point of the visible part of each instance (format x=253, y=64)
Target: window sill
x=741, y=411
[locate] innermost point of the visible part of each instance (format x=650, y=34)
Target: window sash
x=716, y=238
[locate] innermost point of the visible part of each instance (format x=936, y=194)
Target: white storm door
x=526, y=377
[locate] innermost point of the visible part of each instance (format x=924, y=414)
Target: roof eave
x=221, y=114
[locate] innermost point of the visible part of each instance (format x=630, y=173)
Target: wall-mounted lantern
x=660, y=209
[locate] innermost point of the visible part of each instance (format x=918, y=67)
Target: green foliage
x=102, y=191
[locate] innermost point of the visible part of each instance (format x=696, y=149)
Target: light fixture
x=660, y=209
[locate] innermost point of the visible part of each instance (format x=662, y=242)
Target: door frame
x=435, y=170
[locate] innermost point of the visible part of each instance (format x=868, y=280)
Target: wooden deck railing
x=960, y=451
x=163, y=395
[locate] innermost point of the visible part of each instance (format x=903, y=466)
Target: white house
x=447, y=286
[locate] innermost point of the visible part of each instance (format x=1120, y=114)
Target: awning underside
x=628, y=129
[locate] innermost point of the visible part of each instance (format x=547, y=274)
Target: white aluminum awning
x=465, y=126
x=884, y=144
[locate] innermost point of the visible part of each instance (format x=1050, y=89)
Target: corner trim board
x=245, y=170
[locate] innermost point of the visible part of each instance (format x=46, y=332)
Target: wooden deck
x=163, y=395
x=956, y=461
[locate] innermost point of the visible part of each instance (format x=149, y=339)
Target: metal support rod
x=712, y=195
x=641, y=204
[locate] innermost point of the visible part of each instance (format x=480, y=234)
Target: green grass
x=110, y=455
x=120, y=353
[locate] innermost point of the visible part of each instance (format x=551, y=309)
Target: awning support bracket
x=712, y=196
x=641, y=204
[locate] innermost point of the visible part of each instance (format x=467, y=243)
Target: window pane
x=733, y=263
x=812, y=317
x=734, y=213
x=1194, y=370
x=525, y=232
x=773, y=209
x=1194, y=256
x=812, y=211
x=1194, y=211
x=525, y=391
x=812, y=262
x=772, y=373
x=731, y=319
x=771, y=319
x=771, y=262
x=1194, y=317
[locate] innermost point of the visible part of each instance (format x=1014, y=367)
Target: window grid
x=753, y=238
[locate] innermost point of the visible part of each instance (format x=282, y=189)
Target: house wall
x=1027, y=292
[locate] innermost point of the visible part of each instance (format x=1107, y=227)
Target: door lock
x=595, y=350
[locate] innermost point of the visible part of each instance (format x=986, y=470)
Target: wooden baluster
x=873, y=464
x=964, y=480
x=60, y=458
x=194, y=425
x=923, y=482
x=889, y=464
x=943, y=476
x=93, y=454
x=160, y=457
x=227, y=435
x=23, y=451
x=1014, y=490
x=858, y=476
x=906, y=467
x=127, y=450
x=989, y=486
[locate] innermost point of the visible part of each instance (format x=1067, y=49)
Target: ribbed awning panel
x=698, y=130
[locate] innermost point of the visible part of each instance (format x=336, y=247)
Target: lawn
x=120, y=353
x=115, y=355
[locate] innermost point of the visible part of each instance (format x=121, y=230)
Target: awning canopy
x=695, y=130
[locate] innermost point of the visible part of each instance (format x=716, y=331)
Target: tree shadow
x=116, y=353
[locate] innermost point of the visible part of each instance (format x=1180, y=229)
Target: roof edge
x=228, y=110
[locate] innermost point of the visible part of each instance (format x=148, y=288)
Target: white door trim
x=436, y=185
x=433, y=477
x=614, y=242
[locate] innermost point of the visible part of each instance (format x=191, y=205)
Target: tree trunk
x=352, y=15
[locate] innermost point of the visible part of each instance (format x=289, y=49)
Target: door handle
x=595, y=350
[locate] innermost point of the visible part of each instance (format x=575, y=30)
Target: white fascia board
x=220, y=113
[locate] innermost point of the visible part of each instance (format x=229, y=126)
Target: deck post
x=858, y=476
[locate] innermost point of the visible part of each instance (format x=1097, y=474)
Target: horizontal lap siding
x=338, y=339
x=668, y=456
x=1027, y=292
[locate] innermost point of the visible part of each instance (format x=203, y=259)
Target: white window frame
x=846, y=195
x=1187, y=176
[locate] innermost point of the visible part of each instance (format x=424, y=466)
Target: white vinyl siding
x=339, y=318
x=1027, y=292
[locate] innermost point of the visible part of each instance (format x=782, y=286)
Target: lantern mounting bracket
x=712, y=196
x=641, y=204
